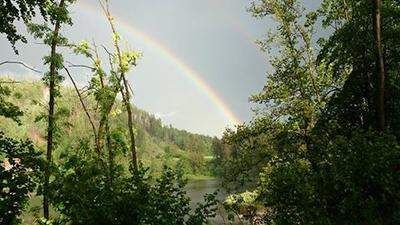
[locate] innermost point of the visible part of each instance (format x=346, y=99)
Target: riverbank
x=194, y=177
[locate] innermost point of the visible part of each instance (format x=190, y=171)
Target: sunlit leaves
x=128, y=59
x=116, y=37
x=83, y=48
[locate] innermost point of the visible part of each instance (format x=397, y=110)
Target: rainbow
x=188, y=72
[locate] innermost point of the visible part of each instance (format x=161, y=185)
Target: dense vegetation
x=323, y=147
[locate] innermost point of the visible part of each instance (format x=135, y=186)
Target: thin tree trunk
x=50, y=126
x=100, y=137
x=377, y=21
x=104, y=125
x=105, y=112
x=125, y=94
x=126, y=97
x=110, y=154
x=104, y=136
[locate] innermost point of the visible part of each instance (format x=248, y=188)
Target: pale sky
x=213, y=38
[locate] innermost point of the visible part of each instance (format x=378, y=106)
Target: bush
x=84, y=195
x=21, y=164
x=354, y=180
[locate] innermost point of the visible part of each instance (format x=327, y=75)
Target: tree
x=18, y=172
x=295, y=93
x=125, y=59
x=7, y=108
x=352, y=49
x=326, y=163
x=134, y=199
x=380, y=63
x=15, y=10
x=58, y=14
x=105, y=86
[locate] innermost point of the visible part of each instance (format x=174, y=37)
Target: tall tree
x=125, y=60
x=377, y=20
x=50, y=126
x=105, y=86
x=59, y=15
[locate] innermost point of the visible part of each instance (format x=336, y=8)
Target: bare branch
x=83, y=104
x=79, y=66
x=84, y=90
x=108, y=52
x=130, y=88
x=21, y=63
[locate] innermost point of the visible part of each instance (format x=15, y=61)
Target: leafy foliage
x=84, y=195
x=20, y=166
x=16, y=10
x=325, y=162
x=8, y=109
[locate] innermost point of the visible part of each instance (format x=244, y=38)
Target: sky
x=200, y=62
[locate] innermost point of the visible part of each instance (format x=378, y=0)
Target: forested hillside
x=158, y=145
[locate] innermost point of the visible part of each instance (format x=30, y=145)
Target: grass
x=200, y=177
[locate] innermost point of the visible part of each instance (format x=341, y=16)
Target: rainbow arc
x=190, y=74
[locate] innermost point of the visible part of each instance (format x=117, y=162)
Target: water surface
x=196, y=189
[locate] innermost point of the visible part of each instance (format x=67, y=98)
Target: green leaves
x=59, y=13
x=19, y=170
x=44, y=32
x=84, y=196
x=16, y=10
x=38, y=30
x=324, y=163
x=83, y=48
x=8, y=109
x=128, y=59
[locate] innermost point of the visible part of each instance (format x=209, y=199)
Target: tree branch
x=80, y=66
x=83, y=104
x=21, y=63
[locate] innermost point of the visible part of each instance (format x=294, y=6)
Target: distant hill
x=157, y=144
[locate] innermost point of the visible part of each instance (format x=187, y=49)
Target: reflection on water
x=196, y=189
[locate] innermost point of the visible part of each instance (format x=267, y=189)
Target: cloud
x=160, y=115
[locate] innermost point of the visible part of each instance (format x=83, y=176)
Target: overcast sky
x=214, y=38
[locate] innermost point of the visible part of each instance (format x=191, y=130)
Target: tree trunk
x=125, y=94
x=126, y=99
x=50, y=126
x=100, y=137
x=380, y=102
x=110, y=155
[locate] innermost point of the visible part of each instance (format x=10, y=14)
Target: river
x=196, y=189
